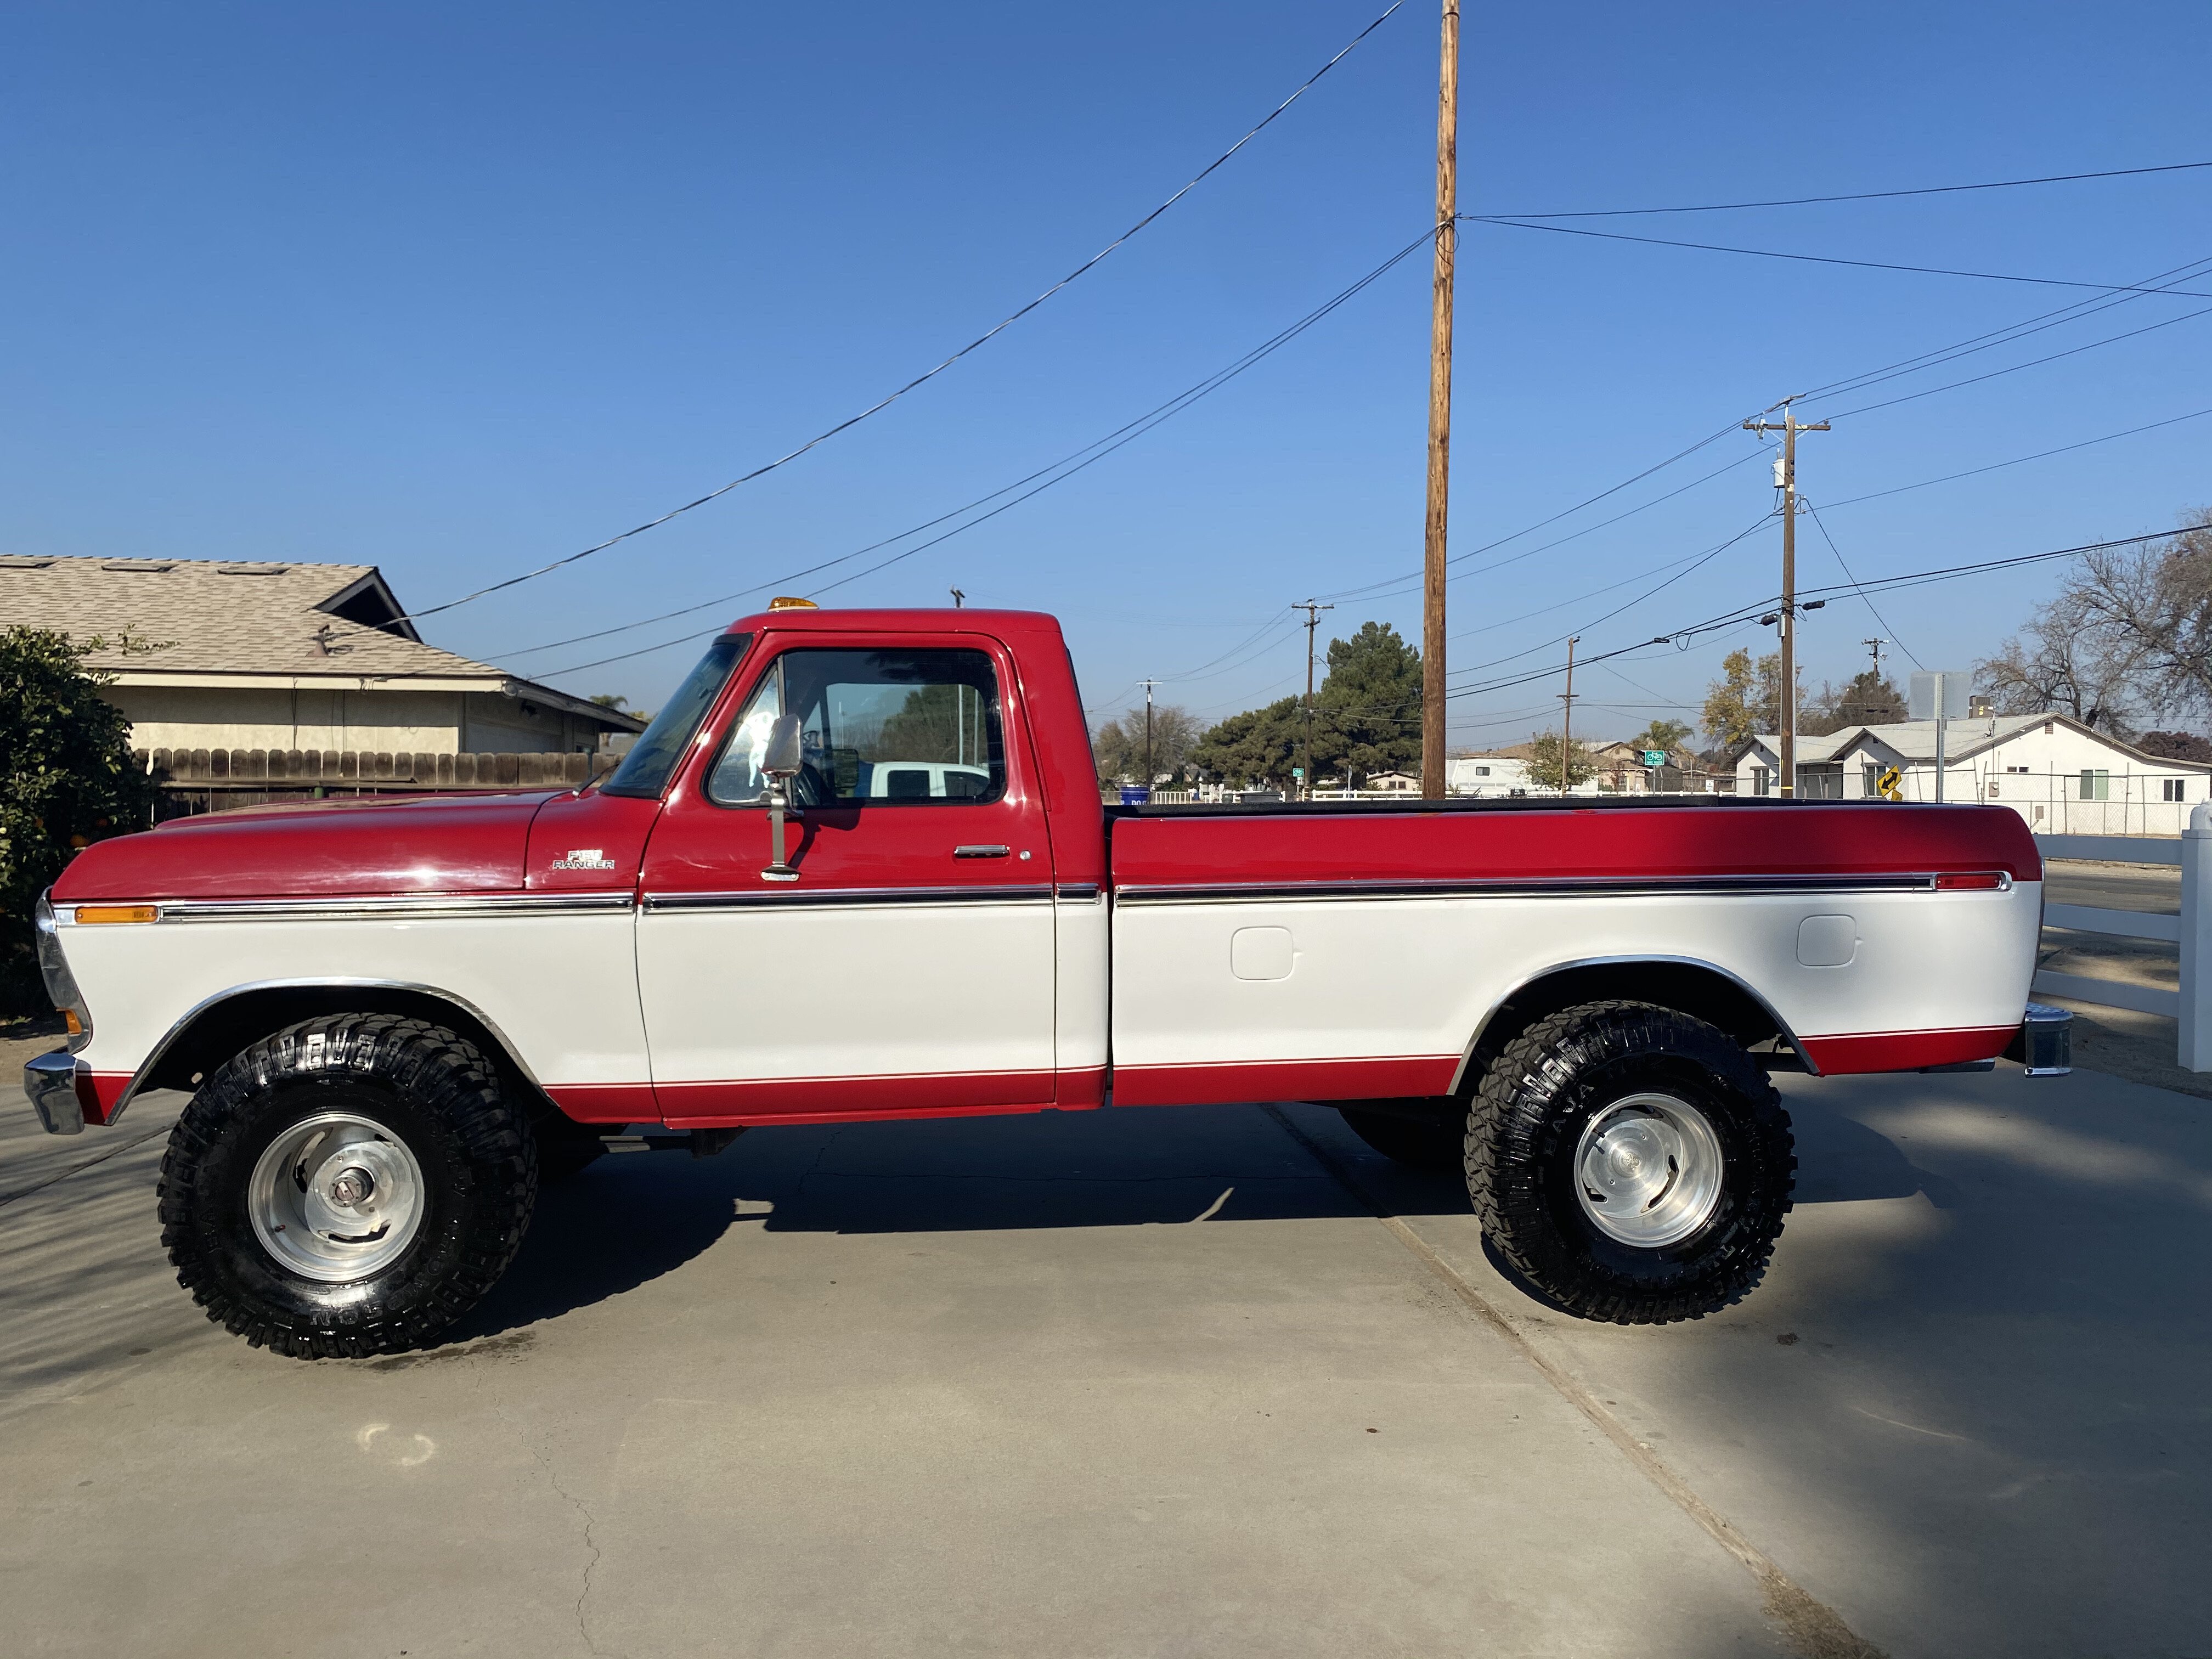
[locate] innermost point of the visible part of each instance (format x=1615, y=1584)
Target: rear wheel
x=349, y=1186
x=1418, y=1143
x=1631, y=1161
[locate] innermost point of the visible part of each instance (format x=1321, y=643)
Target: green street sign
x=1654, y=757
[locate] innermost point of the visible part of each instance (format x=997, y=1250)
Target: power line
x=1863, y=194
x=2033, y=362
x=1894, y=638
x=1828, y=260
x=996, y=329
x=1742, y=615
x=2018, y=460
x=2074, y=311
x=1063, y=469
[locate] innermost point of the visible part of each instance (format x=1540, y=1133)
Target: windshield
x=652, y=759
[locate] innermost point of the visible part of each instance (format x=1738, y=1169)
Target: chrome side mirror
x=779, y=763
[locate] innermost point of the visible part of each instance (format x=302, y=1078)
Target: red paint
x=606, y=1103
x=424, y=844
x=1905, y=1051
x=1624, y=842
x=835, y=1099
x=98, y=1092
x=1081, y=1088
x=699, y=846
x=1390, y=1078
x=606, y=829
x=1044, y=714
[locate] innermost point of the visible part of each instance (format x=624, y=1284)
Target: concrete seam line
x=79, y=1169
x=1813, y=1627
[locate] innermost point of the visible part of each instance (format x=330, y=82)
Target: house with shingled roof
x=287, y=657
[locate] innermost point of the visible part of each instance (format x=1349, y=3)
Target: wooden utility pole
x=1313, y=611
x=1440, y=384
x=1567, y=722
x=1785, y=477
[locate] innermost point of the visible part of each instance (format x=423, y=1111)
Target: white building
x=287, y=657
x=2061, y=776
x=1487, y=774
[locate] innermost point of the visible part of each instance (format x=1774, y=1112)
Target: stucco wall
x=221, y=717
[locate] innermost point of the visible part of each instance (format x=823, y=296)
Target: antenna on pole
x=958, y=598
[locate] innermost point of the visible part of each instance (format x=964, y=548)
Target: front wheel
x=349, y=1186
x=1632, y=1163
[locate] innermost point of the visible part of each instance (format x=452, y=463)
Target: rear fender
x=1695, y=987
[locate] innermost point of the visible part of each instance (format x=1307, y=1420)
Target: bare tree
x=2128, y=636
x=2153, y=605
x=2065, y=661
x=1119, y=745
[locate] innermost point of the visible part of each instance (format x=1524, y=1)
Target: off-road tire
x=1417, y=1145
x=432, y=1090
x=1529, y=1110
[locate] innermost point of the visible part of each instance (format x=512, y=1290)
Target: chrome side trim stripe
x=408, y=908
x=791, y=898
x=1079, y=892
x=1554, y=887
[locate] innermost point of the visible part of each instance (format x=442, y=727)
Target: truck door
x=909, y=965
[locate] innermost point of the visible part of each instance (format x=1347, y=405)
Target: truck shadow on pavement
x=631, y=1218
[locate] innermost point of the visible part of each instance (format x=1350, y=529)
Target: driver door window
x=915, y=726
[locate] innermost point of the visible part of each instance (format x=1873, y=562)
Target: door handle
x=981, y=851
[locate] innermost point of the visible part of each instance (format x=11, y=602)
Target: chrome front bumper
x=51, y=1082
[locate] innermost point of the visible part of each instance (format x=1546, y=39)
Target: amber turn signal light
x=1970, y=881
x=93, y=915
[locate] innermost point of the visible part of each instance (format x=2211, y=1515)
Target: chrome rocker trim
x=1553, y=887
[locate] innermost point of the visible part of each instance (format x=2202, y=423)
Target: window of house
x=1872, y=783
x=917, y=727
x=2096, y=785
x=2016, y=768
x=2174, y=789
x=1762, y=781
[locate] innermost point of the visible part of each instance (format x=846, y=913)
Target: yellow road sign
x=1890, y=785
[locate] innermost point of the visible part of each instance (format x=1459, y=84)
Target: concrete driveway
x=1179, y=1381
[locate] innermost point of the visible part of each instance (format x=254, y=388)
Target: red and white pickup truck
x=858, y=868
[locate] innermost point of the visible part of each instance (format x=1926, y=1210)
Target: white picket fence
x=2191, y=930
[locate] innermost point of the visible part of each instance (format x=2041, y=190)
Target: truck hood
x=426, y=844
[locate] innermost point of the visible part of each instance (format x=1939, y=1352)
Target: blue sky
x=459, y=290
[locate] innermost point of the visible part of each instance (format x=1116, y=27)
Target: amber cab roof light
x=787, y=602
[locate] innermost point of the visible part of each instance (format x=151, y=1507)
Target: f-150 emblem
x=584, y=858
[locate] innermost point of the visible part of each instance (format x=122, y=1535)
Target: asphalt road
x=1151, y=1381
x=2150, y=887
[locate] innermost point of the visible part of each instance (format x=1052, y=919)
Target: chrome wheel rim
x=1648, y=1171
x=336, y=1197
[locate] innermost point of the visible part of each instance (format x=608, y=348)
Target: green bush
x=66, y=780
